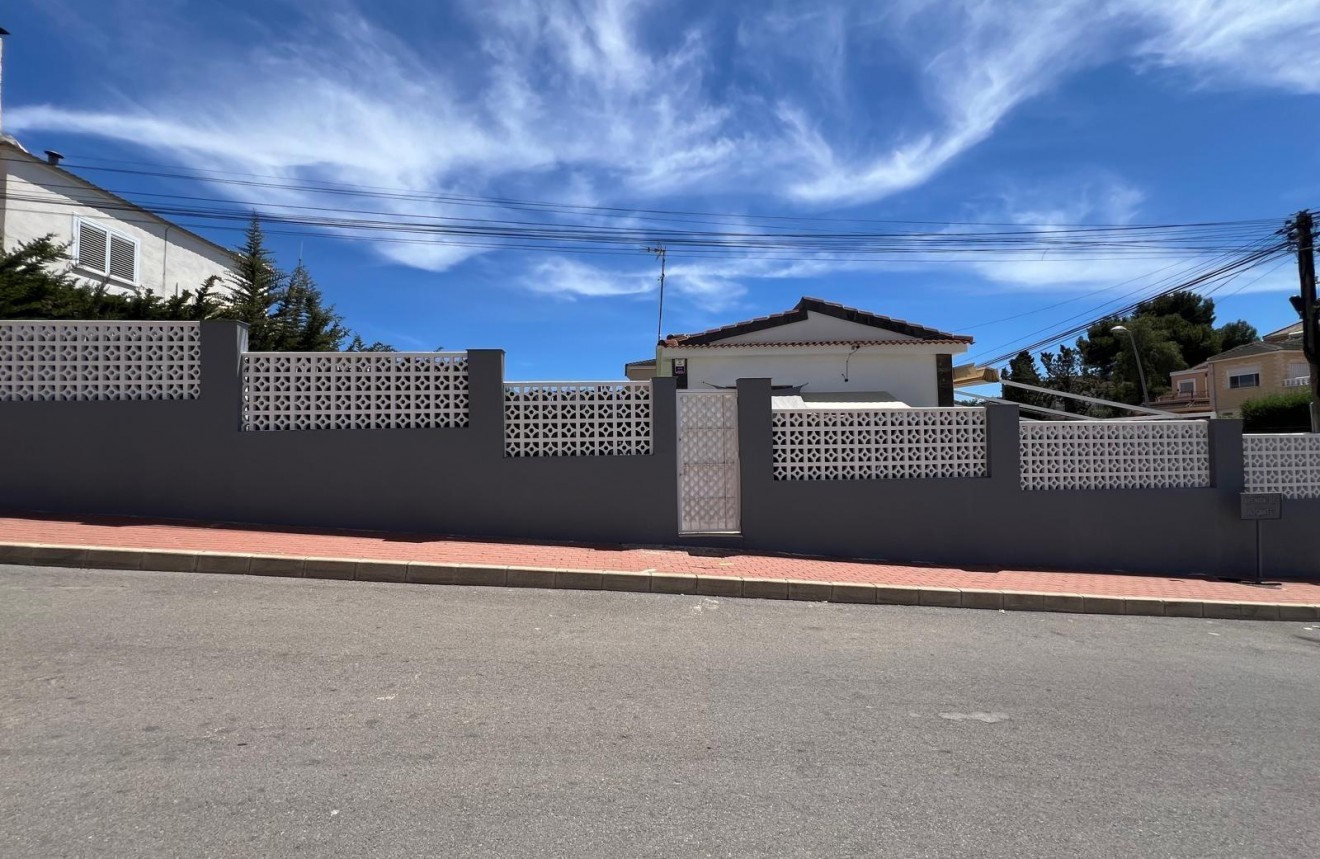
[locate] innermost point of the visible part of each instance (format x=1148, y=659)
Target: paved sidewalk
x=709, y=564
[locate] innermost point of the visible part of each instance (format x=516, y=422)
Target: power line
x=387, y=192
x=966, y=243
x=1228, y=270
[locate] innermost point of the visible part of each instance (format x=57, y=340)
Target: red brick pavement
x=249, y=539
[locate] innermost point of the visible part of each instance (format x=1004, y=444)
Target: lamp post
x=1141, y=372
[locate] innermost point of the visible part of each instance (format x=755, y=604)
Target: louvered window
x=92, y=246
x=107, y=253
x=123, y=259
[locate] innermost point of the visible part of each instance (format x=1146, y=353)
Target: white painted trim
x=588, y=383
x=916, y=347
x=353, y=354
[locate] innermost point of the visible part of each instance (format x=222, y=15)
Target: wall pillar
x=664, y=448
x=756, y=451
x=1227, y=464
x=486, y=400
x=1003, y=446
x=223, y=343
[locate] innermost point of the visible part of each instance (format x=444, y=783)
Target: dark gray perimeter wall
x=991, y=521
x=191, y=460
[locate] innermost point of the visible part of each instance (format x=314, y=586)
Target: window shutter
x=91, y=246
x=123, y=259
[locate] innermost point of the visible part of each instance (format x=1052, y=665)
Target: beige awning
x=970, y=374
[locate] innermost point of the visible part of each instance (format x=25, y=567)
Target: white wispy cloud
x=611, y=101
x=979, y=60
x=1103, y=200
x=1236, y=42
x=569, y=279
x=714, y=284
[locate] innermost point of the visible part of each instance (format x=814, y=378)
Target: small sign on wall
x=1262, y=505
x=680, y=373
x=1256, y=507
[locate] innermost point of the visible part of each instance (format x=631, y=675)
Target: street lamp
x=1141, y=372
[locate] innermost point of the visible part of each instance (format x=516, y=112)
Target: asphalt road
x=160, y=714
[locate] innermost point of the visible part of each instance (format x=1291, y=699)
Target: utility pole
x=3, y=33
x=659, y=251
x=1301, y=230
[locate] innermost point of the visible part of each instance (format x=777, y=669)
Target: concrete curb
x=420, y=572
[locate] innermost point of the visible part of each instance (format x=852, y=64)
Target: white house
x=820, y=351
x=111, y=240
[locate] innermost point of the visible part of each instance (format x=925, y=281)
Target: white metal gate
x=708, y=477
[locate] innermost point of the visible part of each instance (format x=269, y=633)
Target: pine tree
x=283, y=313
x=257, y=288
x=35, y=279
x=36, y=283
x=303, y=322
x=1171, y=332
x=360, y=345
x=1023, y=369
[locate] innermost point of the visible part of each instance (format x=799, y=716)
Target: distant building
x=111, y=240
x=820, y=351
x=640, y=371
x=1223, y=382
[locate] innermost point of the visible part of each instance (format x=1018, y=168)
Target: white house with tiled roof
x=112, y=242
x=820, y=351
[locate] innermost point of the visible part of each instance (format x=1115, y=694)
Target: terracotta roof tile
x=1257, y=348
x=815, y=305
x=926, y=342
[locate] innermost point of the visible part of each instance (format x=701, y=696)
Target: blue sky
x=1021, y=112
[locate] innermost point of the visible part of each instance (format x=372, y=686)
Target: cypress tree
x=257, y=287
x=303, y=322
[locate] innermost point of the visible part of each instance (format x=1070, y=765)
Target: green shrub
x=1289, y=412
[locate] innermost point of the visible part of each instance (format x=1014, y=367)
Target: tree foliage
x=1171, y=332
x=358, y=345
x=1022, y=369
x=284, y=312
x=302, y=322
x=1284, y=412
x=256, y=289
x=36, y=282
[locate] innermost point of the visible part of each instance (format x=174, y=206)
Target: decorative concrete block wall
x=69, y=361
x=354, y=390
x=577, y=419
x=1115, y=454
x=1288, y=463
x=878, y=444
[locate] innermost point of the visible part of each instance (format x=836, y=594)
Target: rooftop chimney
x=53, y=157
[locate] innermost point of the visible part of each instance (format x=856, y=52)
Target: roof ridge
x=798, y=313
x=1256, y=347
x=12, y=141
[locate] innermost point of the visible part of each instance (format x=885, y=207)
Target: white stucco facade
x=820, y=354
x=149, y=253
x=907, y=372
